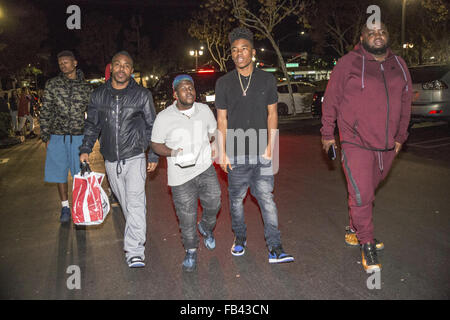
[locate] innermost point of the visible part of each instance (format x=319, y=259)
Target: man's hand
x=398, y=147
x=267, y=153
x=326, y=144
x=225, y=163
x=151, y=166
x=84, y=157
x=174, y=153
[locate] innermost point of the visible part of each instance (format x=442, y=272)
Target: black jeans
x=205, y=187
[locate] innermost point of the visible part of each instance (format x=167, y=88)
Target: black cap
x=66, y=53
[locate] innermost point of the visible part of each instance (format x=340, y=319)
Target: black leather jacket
x=124, y=122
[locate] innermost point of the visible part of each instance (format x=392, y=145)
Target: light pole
x=403, y=25
x=196, y=54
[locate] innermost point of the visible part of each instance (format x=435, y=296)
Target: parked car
x=302, y=91
x=204, y=82
x=431, y=93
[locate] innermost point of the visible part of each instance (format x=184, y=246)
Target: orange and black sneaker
x=369, y=258
x=352, y=240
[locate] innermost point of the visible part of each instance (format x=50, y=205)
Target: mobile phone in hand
x=332, y=152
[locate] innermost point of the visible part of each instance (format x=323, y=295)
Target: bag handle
x=85, y=168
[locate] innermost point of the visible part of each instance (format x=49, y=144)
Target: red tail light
x=435, y=112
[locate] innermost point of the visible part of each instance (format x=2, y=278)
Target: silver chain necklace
x=244, y=91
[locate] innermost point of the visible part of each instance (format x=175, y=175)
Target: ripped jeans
x=256, y=176
x=205, y=187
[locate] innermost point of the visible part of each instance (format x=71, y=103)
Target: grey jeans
x=129, y=188
x=205, y=187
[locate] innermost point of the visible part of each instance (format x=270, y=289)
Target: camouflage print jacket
x=64, y=106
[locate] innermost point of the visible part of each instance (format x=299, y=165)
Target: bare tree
x=212, y=26
x=98, y=43
x=337, y=24
x=265, y=17
x=430, y=32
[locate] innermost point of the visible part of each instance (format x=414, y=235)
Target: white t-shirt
x=176, y=130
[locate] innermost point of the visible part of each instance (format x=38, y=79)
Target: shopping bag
x=90, y=201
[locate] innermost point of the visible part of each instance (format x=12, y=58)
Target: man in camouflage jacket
x=66, y=97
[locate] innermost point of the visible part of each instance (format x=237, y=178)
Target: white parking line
x=428, y=124
x=426, y=143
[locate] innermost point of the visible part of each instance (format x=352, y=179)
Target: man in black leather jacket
x=122, y=112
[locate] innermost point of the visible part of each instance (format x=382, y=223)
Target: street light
x=403, y=24
x=196, y=54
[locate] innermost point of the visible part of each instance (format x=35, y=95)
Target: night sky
x=157, y=14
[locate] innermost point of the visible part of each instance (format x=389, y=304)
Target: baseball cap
x=180, y=78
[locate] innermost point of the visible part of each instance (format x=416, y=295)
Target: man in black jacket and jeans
x=123, y=113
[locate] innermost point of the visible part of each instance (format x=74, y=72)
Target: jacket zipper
x=387, y=98
x=117, y=128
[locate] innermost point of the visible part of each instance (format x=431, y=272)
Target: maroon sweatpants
x=364, y=170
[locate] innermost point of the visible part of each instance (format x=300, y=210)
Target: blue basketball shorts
x=63, y=154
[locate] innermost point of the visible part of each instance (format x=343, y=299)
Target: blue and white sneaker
x=65, y=215
x=238, y=248
x=208, y=237
x=277, y=255
x=136, y=262
x=190, y=260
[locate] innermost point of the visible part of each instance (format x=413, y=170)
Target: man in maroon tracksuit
x=369, y=94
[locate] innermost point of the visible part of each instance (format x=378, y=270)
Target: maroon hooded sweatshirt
x=370, y=100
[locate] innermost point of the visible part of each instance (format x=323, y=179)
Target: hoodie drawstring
x=363, y=70
x=404, y=74
x=380, y=161
x=119, y=167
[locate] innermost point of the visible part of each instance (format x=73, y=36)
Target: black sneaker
x=238, y=248
x=369, y=258
x=277, y=255
x=352, y=240
x=66, y=214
